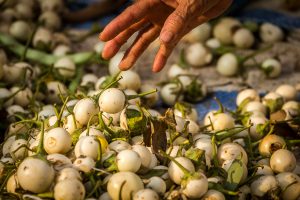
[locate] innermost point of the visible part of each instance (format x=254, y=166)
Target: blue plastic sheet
x=208, y=104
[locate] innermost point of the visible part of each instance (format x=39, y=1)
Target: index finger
x=130, y=16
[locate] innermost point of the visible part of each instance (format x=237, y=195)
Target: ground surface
x=288, y=53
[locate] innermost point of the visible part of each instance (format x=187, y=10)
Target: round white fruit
x=129, y=182
x=112, y=100
x=228, y=65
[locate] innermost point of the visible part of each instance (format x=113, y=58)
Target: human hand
x=169, y=20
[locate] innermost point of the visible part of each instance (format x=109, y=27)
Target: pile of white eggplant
x=73, y=135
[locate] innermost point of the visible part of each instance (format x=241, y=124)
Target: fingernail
x=106, y=52
x=158, y=64
x=101, y=36
x=166, y=36
x=125, y=64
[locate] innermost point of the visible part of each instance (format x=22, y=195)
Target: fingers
x=172, y=31
x=114, y=45
x=144, y=39
x=130, y=16
x=162, y=56
x=173, y=26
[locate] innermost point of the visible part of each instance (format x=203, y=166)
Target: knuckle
x=129, y=31
x=130, y=16
x=134, y=53
x=144, y=40
x=118, y=41
x=178, y=17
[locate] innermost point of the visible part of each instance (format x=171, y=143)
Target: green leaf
x=217, y=171
x=195, y=155
x=136, y=121
x=274, y=104
x=263, y=129
x=117, y=133
x=235, y=175
x=110, y=163
x=75, y=136
x=251, y=26
x=184, y=108
x=194, y=91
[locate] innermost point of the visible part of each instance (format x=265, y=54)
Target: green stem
x=48, y=195
x=185, y=171
x=20, y=117
x=40, y=149
x=14, y=94
x=103, y=125
x=221, y=107
x=28, y=43
x=218, y=187
x=112, y=83
x=253, y=144
x=129, y=97
x=6, y=179
x=244, y=59
x=62, y=111
x=21, y=146
x=75, y=82
x=28, y=121
x=89, y=124
x=99, y=157
x=97, y=185
x=214, y=150
x=291, y=142
x=38, y=56
x=249, y=144
x=96, y=97
x=121, y=188
x=226, y=134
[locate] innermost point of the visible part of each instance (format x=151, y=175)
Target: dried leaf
x=278, y=116
x=283, y=129
x=147, y=136
x=169, y=118
x=158, y=137
x=155, y=133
